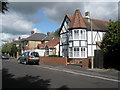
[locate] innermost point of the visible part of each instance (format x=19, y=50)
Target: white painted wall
x=76, y=43
x=89, y=50
x=57, y=49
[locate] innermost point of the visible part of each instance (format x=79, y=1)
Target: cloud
x=21, y=16
x=55, y=11
x=15, y=24
x=102, y=10
x=6, y=37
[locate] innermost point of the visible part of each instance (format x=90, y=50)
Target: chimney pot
x=48, y=33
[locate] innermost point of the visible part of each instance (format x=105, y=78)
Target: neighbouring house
x=32, y=41
x=51, y=47
x=75, y=37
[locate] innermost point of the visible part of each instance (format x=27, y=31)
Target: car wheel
x=25, y=62
x=19, y=61
x=37, y=63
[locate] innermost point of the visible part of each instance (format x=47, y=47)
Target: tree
x=3, y=6
x=10, y=49
x=6, y=48
x=111, y=45
x=56, y=33
x=111, y=40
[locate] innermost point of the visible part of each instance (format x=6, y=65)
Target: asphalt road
x=16, y=75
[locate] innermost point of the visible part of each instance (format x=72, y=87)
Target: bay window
x=70, y=52
x=76, y=34
x=76, y=52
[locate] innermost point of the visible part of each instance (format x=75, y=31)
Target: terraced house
x=76, y=37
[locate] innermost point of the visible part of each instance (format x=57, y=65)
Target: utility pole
x=87, y=14
x=92, y=62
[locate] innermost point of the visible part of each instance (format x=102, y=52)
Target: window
x=35, y=54
x=70, y=52
x=64, y=38
x=83, y=52
x=76, y=34
x=70, y=33
x=82, y=34
x=76, y=52
x=67, y=21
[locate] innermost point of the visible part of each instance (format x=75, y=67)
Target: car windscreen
x=35, y=54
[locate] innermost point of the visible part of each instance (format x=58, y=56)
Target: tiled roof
x=51, y=43
x=36, y=37
x=98, y=43
x=48, y=37
x=77, y=21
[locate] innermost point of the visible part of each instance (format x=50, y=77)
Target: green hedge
x=53, y=56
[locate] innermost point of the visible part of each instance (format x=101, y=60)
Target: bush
x=53, y=56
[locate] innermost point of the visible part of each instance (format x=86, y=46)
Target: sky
x=23, y=17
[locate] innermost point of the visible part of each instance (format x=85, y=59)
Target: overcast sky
x=45, y=17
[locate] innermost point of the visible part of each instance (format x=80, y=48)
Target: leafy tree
x=14, y=50
x=10, y=49
x=3, y=6
x=56, y=33
x=111, y=40
x=111, y=45
x=6, y=48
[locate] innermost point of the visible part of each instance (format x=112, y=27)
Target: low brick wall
x=55, y=60
x=85, y=62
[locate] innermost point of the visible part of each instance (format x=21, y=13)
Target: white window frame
x=76, y=52
x=76, y=34
x=71, y=52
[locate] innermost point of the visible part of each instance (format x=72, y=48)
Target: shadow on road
x=9, y=82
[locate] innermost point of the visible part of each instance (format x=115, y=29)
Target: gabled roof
x=77, y=21
x=51, y=43
x=36, y=37
x=48, y=37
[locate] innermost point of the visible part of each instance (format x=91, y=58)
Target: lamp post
x=87, y=14
x=92, y=63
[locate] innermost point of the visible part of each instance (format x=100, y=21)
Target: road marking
x=73, y=72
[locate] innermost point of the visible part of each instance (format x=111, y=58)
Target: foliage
x=56, y=33
x=111, y=40
x=9, y=48
x=53, y=56
x=3, y=6
x=6, y=48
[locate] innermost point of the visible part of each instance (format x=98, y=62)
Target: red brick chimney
x=48, y=33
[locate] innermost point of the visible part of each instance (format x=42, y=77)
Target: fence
x=99, y=59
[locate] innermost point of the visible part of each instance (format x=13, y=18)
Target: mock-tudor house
x=75, y=36
x=51, y=47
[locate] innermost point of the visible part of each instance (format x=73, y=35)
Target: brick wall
x=85, y=62
x=56, y=60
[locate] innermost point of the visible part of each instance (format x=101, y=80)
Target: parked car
x=5, y=56
x=29, y=57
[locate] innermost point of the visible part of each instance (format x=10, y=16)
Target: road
x=16, y=75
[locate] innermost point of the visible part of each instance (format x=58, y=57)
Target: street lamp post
x=87, y=14
x=92, y=63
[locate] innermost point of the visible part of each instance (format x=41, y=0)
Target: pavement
x=96, y=72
